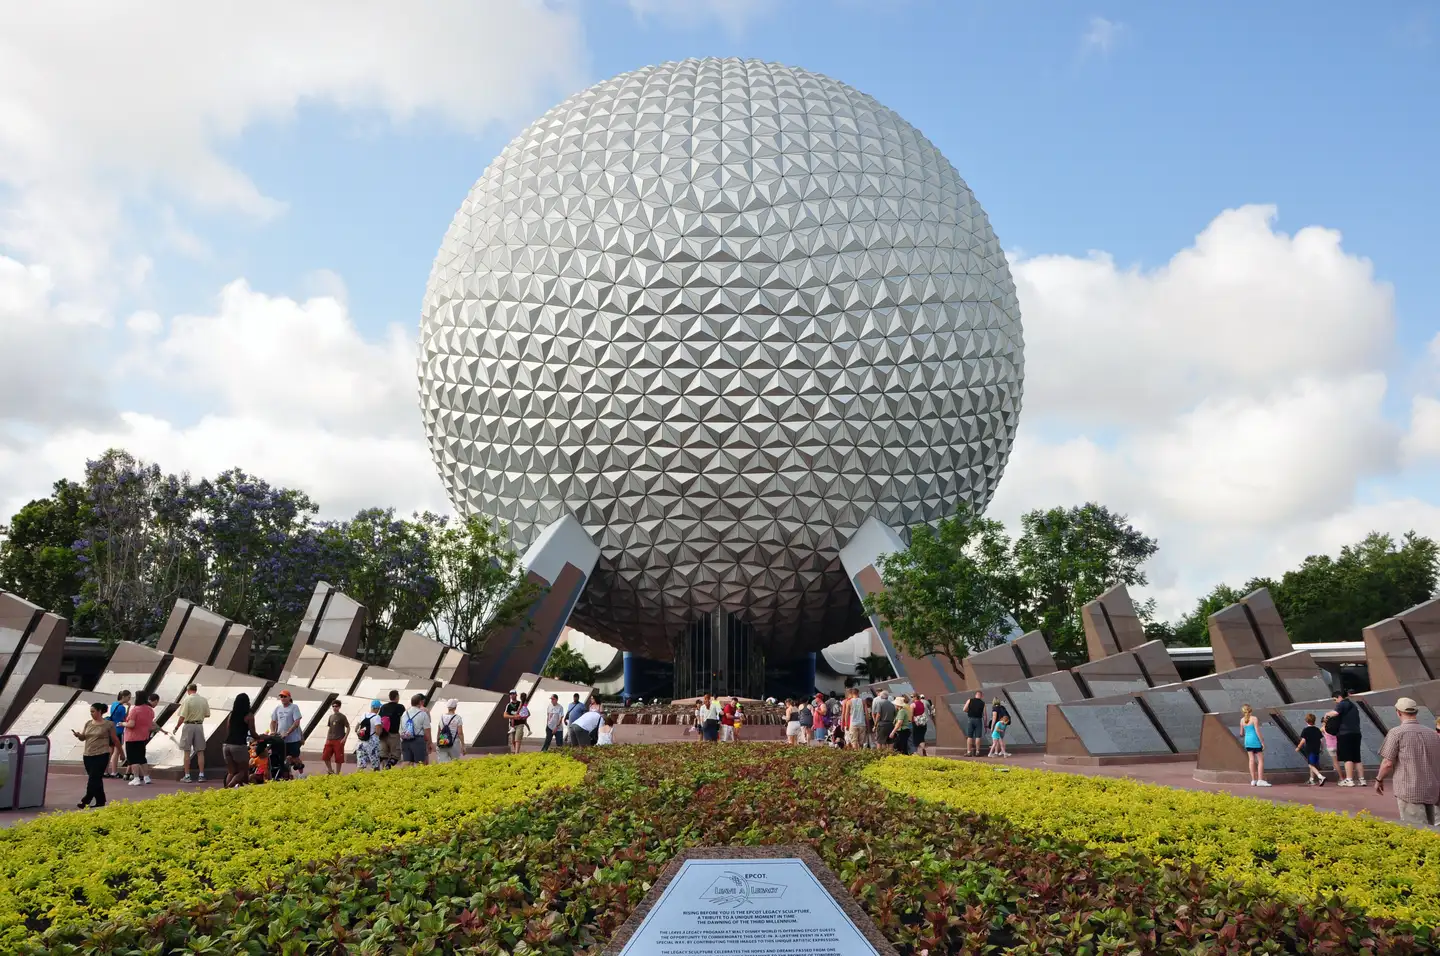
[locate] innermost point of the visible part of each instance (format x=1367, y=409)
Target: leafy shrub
x=130, y=860
x=1384, y=868
x=559, y=874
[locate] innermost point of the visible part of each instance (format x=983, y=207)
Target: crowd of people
x=1409, y=757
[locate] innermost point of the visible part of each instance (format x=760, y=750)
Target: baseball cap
x=375, y=703
x=1407, y=705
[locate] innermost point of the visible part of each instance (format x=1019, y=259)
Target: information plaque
x=748, y=901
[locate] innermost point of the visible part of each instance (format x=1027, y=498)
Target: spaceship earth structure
x=722, y=311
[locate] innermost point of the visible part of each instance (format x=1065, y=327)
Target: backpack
x=806, y=718
x=362, y=730
x=385, y=727
x=445, y=736
x=409, y=732
x=1332, y=725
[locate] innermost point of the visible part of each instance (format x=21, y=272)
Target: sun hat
x=1407, y=705
x=451, y=704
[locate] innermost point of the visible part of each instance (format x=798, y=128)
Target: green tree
x=948, y=593
x=1067, y=557
x=1193, y=629
x=481, y=586
x=1333, y=599
x=874, y=667
x=388, y=567
x=568, y=664
x=38, y=560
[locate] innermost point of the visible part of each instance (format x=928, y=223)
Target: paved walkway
x=64, y=790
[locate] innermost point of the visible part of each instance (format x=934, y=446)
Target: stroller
x=267, y=759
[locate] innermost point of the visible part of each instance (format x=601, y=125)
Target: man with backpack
x=415, y=742
x=1345, y=719
x=920, y=725
x=391, y=713
x=573, y=713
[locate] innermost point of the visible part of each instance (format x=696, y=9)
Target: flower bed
x=1297, y=852
x=130, y=860
x=559, y=874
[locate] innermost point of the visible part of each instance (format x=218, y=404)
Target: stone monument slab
x=132, y=667
x=1372, y=736
x=1248, y=632
x=1280, y=752
x=32, y=642
x=745, y=901
x=43, y=709
x=1029, y=699
x=1102, y=729
x=1156, y=664
x=994, y=665
x=1381, y=703
x=337, y=674
x=1111, y=624
x=1299, y=676
x=1108, y=676
x=1035, y=652
x=1224, y=693
x=1177, y=713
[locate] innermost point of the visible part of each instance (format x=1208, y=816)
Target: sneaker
x=1262, y=783
x=1320, y=782
x=201, y=778
x=186, y=779
x=1347, y=782
x=1252, y=783
x=1362, y=782
x=134, y=782
x=1310, y=782
x=147, y=780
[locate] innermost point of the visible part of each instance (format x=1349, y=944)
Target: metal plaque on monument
x=748, y=901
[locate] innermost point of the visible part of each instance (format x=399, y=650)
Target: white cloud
x=1101, y=36
x=733, y=15
x=100, y=100
x=1231, y=401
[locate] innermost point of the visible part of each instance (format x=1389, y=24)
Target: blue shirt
x=576, y=710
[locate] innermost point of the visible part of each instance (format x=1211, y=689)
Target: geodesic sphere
x=722, y=311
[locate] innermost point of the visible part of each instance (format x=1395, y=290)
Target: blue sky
x=1256, y=399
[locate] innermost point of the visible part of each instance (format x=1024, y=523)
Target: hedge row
x=558, y=875
x=131, y=860
x=1296, y=852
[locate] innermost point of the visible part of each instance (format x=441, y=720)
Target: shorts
x=192, y=739
x=975, y=728
x=917, y=734
x=236, y=755
x=1347, y=748
x=447, y=754
x=413, y=750
x=792, y=730
x=135, y=751
x=1313, y=759
x=711, y=730
x=1254, y=750
x=518, y=733
x=390, y=748
x=292, y=749
x=819, y=735
x=727, y=731
x=855, y=736
x=334, y=750
x=1416, y=814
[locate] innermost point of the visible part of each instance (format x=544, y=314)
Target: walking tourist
x=116, y=717
x=519, y=722
x=584, y=729
x=1311, y=741
x=974, y=723
x=998, y=710
x=1254, y=745
x=450, y=733
x=99, y=738
x=607, y=731
x=391, y=713
x=554, y=723
x=1347, y=739
x=415, y=743
x=239, y=730
x=191, y=725
x=855, y=717
x=866, y=704
x=572, y=714
x=997, y=736
x=904, y=721
x=818, y=719
x=884, y=712
x=337, y=730
x=139, y=725
x=709, y=717
x=920, y=716
x=727, y=721
x=792, y=722
x=285, y=722
x=1328, y=725
x=367, y=736
x=1412, y=754
x=806, y=717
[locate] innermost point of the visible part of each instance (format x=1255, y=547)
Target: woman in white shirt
x=450, y=734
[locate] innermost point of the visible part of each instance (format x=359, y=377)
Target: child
x=1332, y=747
x=1311, y=740
x=739, y=722
x=607, y=731
x=997, y=736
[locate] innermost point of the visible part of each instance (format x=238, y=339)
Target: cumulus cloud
x=1232, y=401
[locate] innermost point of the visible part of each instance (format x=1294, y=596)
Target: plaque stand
x=870, y=940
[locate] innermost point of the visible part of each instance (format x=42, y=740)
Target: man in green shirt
x=191, y=724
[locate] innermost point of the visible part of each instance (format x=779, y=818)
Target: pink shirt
x=143, y=716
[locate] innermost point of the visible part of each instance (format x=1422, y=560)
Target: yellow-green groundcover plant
x=1295, y=851
x=135, y=858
